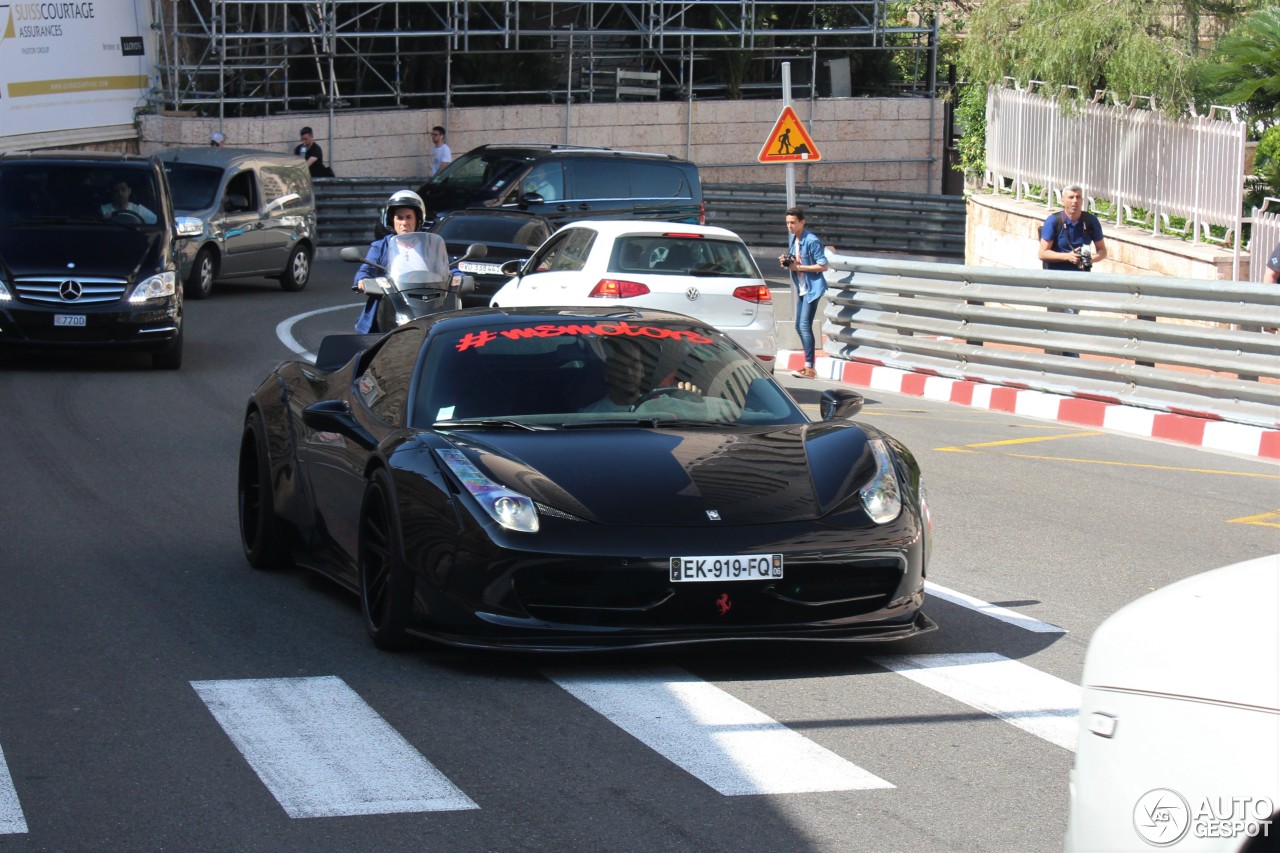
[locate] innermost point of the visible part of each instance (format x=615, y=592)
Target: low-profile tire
x=386, y=586
x=298, y=271
x=262, y=534
x=199, y=283
x=169, y=358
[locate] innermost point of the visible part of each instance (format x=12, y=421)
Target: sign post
x=788, y=142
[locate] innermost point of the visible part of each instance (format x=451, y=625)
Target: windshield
x=595, y=372
x=417, y=258
x=106, y=192
x=479, y=171
x=194, y=187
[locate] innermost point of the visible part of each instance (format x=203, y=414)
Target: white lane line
x=712, y=735
x=11, y=819
x=994, y=611
x=1034, y=701
x=284, y=329
x=323, y=752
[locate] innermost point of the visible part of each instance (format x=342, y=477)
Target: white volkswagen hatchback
x=698, y=270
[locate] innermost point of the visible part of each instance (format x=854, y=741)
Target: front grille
x=643, y=596
x=49, y=290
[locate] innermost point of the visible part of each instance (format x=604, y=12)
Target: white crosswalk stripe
x=1034, y=701
x=11, y=819
x=323, y=752
x=714, y=736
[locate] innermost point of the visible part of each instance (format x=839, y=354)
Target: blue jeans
x=804, y=326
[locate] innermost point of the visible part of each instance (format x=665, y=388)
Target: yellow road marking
x=1146, y=465
x=1266, y=519
x=1007, y=441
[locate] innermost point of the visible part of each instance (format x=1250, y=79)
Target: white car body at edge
x=1179, y=741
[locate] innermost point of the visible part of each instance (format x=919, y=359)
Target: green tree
x=1244, y=68
x=1133, y=48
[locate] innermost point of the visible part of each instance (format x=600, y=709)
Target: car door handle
x=584, y=206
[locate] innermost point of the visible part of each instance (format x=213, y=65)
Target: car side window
x=658, y=180
x=576, y=248
x=546, y=180
x=242, y=192
x=600, y=179
x=546, y=258
x=383, y=385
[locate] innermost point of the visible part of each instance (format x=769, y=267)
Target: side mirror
x=189, y=226
x=352, y=253
x=839, y=403
x=511, y=267
x=475, y=251
x=335, y=416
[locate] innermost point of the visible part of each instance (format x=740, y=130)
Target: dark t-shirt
x=318, y=168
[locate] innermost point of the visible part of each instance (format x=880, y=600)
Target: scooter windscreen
x=418, y=260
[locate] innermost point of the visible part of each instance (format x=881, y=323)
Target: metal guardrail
x=853, y=221
x=1175, y=345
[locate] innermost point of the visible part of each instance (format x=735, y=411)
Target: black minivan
x=86, y=254
x=568, y=182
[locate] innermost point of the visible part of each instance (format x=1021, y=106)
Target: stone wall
x=866, y=143
x=1005, y=232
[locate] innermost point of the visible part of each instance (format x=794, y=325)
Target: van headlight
x=5, y=295
x=156, y=287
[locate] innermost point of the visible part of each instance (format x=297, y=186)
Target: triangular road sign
x=788, y=141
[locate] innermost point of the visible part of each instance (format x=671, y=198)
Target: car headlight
x=156, y=287
x=5, y=295
x=512, y=510
x=882, y=497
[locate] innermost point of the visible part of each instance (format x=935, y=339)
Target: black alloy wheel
x=386, y=587
x=262, y=534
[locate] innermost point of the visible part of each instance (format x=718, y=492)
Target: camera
x=1086, y=259
x=789, y=261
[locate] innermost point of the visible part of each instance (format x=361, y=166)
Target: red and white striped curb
x=1187, y=429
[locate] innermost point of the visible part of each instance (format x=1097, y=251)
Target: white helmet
x=399, y=199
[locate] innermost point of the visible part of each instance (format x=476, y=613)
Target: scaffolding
x=262, y=57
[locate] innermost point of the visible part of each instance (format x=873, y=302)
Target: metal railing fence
x=1175, y=345
x=1147, y=166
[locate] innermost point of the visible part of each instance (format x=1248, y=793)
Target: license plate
x=68, y=319
x=480, y=269
x=740, y=567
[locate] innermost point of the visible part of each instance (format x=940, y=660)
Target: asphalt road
x=126, y=603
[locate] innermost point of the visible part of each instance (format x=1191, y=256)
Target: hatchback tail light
x=616, y=288
x=753, y=293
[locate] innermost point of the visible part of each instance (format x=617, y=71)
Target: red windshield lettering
x=478, y=339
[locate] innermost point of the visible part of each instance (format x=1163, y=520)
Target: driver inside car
x=121, y=206
x=624, y=376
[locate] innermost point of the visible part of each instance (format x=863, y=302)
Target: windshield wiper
x=649, y=423
x=488, y=423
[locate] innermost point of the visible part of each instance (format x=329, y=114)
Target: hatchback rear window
x=667, y=254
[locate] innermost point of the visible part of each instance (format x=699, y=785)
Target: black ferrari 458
x=577, y=479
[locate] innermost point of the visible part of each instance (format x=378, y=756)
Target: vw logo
x=692, y=294
x=70, y=290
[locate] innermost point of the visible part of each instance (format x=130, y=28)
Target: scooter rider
x=404, y=213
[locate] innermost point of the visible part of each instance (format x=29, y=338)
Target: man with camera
x=805, y=261
x=1066, y=235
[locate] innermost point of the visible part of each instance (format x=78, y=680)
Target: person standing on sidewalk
x=806, y=261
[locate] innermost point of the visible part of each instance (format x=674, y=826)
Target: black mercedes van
x=86, y=254
x=568, y=182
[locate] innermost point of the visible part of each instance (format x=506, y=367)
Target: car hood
x=1213, y=636
x=87, y=250
x=675, y=477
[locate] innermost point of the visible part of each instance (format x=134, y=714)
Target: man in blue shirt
x=1065, y=233
x=806, y=261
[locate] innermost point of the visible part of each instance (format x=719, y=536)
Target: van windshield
x=479, y=171
x=82, y=192
x=194, y=187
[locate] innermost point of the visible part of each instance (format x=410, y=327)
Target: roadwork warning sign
x=788, y=141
